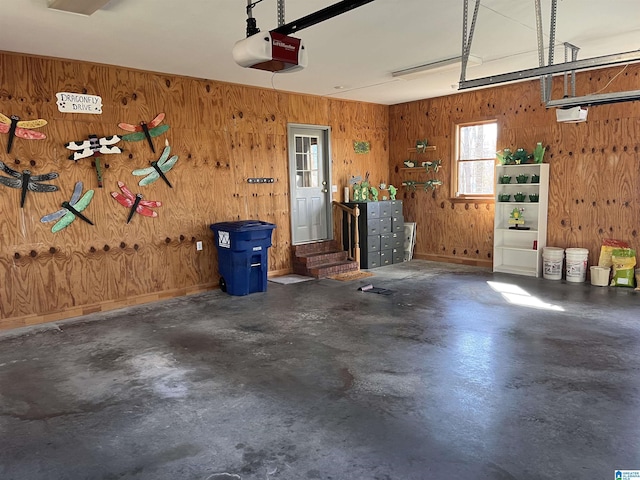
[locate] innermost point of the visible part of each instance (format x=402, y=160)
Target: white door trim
x=326, y=162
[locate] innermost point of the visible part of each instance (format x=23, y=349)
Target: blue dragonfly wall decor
x=70, y=210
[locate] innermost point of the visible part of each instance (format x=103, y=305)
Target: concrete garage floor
x=442, y=379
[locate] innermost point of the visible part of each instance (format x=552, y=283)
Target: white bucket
x=600, y=276
x=577, y=264
x=552, y=262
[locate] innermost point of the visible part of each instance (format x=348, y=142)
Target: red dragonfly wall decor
x=21, y=128
x=135, y=203
x=94, y=147
x=145, y=130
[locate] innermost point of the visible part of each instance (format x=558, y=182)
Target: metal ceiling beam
x=320, y=16
x=595, y=62
x=595, y=99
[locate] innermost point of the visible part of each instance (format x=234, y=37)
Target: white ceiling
x=356, y=51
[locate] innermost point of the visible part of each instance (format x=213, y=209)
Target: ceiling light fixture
x=438, y=66
x=80, y=7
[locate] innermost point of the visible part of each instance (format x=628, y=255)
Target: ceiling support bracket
x=280, y=13
x=568, y=47
x=467, y=36
x=545, y=72
x=545, y=80
x=252, y=26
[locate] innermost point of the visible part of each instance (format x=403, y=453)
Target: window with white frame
x=475, y=160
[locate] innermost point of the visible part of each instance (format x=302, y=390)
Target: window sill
x=471, y=199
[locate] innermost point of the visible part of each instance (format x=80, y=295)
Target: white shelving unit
x=519, y=251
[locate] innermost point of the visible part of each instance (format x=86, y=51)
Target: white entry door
x=309, y=171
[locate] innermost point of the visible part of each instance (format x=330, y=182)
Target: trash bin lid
x=243, y=226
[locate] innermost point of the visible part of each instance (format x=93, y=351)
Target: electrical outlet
x=198, y=246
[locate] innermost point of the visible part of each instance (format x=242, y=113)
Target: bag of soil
x=624, y=261
x=607, y=248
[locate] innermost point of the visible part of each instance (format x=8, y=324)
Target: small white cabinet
x=517, y=248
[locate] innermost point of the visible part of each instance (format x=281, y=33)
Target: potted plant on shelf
x=421, y=146
x=521, y=156
x=431, y=184
x=538, y=152
x=434, y=165
x=409, y=163
x=505, y=156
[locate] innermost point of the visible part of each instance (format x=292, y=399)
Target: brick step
x=316, y=247
x=321, y=259
x=315, y=259
x=328, y=270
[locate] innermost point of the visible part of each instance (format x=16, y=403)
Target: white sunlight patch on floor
x=516, y=295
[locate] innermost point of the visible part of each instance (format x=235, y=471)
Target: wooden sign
x=79, y=103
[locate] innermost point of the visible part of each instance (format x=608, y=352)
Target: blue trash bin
x=242, y=255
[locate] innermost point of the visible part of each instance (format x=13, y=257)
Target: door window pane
x=307, y=174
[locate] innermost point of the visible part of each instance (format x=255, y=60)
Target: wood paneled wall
x=594, y=166
x=223, y=134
